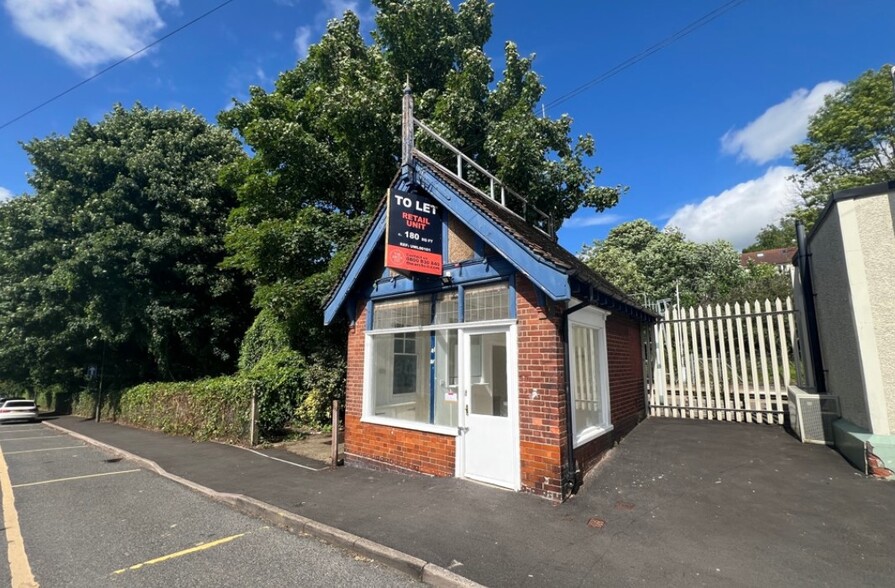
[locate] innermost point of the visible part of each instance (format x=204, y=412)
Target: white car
x=18, y=410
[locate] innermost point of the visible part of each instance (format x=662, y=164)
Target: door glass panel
x=447, y=390
x=488, y=387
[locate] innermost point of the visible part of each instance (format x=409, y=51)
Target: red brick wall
x=626, y=398
x=542, y=416
x=382, y=446
x=542, y=419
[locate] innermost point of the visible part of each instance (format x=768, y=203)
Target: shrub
x=276, y=379
x=324, y=382
x=266, y=335
x=213, y=408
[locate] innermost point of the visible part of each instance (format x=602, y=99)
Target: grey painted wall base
x=872, y=454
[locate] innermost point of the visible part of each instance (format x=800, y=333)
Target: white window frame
x=368, y=417
x=593, y=318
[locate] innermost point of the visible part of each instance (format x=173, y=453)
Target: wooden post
x=253, y=428
x=334, y=458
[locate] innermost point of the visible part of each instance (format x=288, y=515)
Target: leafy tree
x=115, y=258
x=775, y=236
x=762, y=281
x=326, y=144
x=851, y=141
x=646, y=262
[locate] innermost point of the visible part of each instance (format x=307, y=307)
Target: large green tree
x=652, y=264
x=326, y=144
x=851, y=141
x=114, y=260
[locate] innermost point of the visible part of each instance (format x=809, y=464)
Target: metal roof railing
x=497, y=190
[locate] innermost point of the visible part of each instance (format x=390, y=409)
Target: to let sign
x=413, y=234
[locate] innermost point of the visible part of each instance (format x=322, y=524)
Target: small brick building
x=492, y=353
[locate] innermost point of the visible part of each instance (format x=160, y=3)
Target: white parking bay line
x=28, y=438
x=75, y=478
x=47, y=449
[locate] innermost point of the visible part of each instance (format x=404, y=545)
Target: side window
x=405, y=364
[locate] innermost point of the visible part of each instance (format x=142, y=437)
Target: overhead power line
x=117, y=63
x=696, y=24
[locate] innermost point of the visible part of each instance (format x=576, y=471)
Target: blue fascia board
x=355, y=267
x=546, y=276
x=469, y=272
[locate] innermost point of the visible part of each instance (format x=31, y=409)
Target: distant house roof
x=553, y=269
x=781, y=256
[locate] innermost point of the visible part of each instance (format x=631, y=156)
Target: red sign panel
x=413, y=234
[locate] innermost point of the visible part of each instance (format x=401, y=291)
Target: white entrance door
x=489, y=446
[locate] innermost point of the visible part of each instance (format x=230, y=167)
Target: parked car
x=18, y=409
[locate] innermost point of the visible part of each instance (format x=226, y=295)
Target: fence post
x=253, y=427
x=334, y=458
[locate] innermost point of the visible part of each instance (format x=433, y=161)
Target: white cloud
x=331, y=9
x=302, y=41
x=780, y=127
x=87, y=33
x=738, y=213
x=593, y=220
x=5, y=194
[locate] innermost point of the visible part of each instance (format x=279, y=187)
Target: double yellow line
x=19, y=568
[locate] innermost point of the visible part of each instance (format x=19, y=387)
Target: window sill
x=588, y=435
x=414, y=426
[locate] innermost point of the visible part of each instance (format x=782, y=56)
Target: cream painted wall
x=876, y=222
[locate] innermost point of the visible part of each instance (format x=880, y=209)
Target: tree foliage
x=775, y=236
x=326, y=144
x=114, y=258
x=851, y=141
x=651, y=264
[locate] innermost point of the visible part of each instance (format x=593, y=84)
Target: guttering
x=570, y=481
x=805, y=278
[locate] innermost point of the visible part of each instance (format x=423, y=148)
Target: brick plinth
x=418, y=451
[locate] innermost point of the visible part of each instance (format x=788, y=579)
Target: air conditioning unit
x=811, y=415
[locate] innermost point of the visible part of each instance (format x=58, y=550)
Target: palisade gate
x=730, y=363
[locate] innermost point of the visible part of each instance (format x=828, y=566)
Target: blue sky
x=700, y=130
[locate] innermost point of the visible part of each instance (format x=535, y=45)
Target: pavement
x=677, y=503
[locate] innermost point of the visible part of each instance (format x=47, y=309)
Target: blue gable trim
x=553, y=281
x=355, y=267
x=546, y=277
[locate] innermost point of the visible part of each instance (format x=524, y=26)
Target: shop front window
x=413, y=371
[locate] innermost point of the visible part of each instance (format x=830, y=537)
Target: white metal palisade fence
x=723, y=363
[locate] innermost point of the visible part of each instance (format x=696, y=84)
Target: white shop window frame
x=368, y=411
x=368, y=415
x=593, y=318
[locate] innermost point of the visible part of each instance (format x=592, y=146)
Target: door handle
x=466, y=408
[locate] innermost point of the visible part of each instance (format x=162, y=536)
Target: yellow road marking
x=200, y=547
x=47, y=449
x=19, y=568
x=75, y=478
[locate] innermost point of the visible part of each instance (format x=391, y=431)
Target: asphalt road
x=89, y=519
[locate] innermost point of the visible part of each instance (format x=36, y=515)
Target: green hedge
x=215, y=408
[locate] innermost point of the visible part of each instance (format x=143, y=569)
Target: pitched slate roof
x=536, y=241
